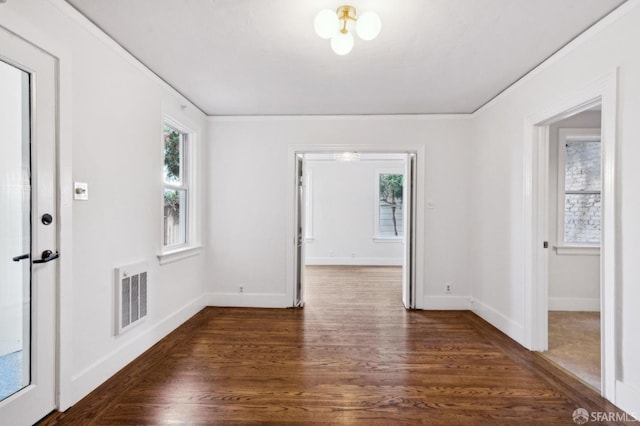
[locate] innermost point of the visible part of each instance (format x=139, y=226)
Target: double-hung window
x=180, y=220
x=579, y=188
x=176, y=187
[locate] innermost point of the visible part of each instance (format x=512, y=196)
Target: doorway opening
x=355, y=214
x=600, y=96
x=574, y=232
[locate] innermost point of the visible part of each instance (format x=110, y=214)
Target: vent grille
x=131, y=296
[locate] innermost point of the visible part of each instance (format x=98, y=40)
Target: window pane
x=390, y=204
x=173, y=142
x=582, y=166
x=582, y=218
x=175, y=202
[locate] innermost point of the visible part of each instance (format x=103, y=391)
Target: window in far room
x=389, y=218
x=579, y=184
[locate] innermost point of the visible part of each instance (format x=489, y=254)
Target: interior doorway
x=574, y=232
x=602, y=95
x=355, y=215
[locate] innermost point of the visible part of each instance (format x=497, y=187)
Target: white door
x=408, y=268
x=298, y=296
x=28, y=230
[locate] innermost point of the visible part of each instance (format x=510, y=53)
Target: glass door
x=15, y=231
x=28, y=231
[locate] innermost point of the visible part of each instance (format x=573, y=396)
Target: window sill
x=578, y=250
x=178, y=254
x=387, y=239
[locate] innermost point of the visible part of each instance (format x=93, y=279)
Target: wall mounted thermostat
x=80, y=191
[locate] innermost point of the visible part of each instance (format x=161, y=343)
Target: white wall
x=249, y=183
x=574, y=279
x=343, y=202
x=497, y=186
x=12, y=284
x=111, y=117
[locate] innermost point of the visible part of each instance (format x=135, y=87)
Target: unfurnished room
x=317, y=212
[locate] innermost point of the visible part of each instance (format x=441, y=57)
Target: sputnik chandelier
x=333, y=25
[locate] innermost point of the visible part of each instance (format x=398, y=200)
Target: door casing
x=535, y=166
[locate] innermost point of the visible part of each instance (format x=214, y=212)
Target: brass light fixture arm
x=345, y=14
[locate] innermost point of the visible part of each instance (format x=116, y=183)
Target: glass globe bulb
x=342, y=43
x=326, y=23
x=368, y=25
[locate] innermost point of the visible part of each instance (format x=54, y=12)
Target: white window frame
x=376, y=207
x=572, y=135
x=188, y=182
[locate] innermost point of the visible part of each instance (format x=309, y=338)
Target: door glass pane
x=15, y=231
x=175, y=204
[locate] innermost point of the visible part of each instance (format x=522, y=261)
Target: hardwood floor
x=353, y=355
x=574, y=344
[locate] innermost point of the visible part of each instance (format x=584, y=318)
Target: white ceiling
x=250, y=57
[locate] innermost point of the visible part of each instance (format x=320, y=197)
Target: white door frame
x=604, y=92
x=419, y=201
x=66, y=395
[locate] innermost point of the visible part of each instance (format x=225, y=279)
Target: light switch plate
x=80, y=191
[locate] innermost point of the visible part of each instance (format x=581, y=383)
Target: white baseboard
x=574, y=304
x=93, y=376
x=356, y=261
x=498, y=320
x=628, y=399
x=248, y=300
x=446, y=303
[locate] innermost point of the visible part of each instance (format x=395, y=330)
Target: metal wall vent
x=131, y=296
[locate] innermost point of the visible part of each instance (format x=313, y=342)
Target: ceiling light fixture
x=333, y=25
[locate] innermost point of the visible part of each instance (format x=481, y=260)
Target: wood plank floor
x=353, y=355
x=574, y=344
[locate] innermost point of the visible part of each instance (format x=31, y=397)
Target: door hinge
x=545, y=244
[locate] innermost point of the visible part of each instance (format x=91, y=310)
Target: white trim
x=568, y=135
x=506, y=325
x=577, y=251
x=628, y=398
x=570, y=47
x=447, y=303
x=354, y=148
x=365, y=261
x=387, y=240
x=248, y=300
x=574, y=304
x=178, y=254
x=139, y=341
x=602, y=91
x=420, y=172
